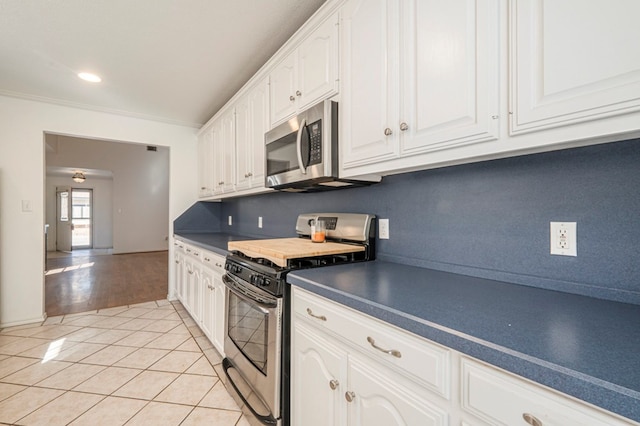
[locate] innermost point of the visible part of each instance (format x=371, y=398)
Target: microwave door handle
x=303, y=169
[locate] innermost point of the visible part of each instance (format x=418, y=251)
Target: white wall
x=140, y=187
x=22, y=177
x=102, y=208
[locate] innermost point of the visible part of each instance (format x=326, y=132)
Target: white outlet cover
x=383, y=229
x=230, y=220
x=568, y=246
x=259, y=221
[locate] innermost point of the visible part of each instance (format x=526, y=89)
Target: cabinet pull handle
x=249, y=174
x=190, y=271
x=388, y=132
x=404, y=126
x=207, y=259
x=203, y=188
x=298, y=93
x=531, y=419
x=349, y=396
x=291, y=98
x=177, y=261
x=393, y=352
x=333, y=384
x=218, y=265
x=320, y=317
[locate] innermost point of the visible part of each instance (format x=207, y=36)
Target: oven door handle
x=263, y=303
x=303, y=168
x=267, y=420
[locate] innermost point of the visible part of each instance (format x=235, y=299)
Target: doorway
x=81, y=218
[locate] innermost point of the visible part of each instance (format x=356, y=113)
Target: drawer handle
x=207, y=259
x=177, y=261
x=531, y=419
x=320, y=317
x=218, y=265
x=333, y=384
x=349, y=396
x=393, y=352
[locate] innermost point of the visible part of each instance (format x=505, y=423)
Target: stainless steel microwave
x=302, y=153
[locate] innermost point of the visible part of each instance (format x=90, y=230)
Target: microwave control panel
x=315, y=142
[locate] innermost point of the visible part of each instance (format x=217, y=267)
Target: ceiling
x=175, y=61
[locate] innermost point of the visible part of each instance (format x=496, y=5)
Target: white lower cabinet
x=199, y=286
x=351, y=369
x=501, y=398
x=335, y=382
x=213, y=308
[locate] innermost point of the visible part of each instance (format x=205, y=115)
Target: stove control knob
x=237, y=269
x=266, y=283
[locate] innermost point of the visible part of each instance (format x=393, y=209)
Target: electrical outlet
x=230, y=220
x=259, y=221
x=563, y=238
x=383, y=229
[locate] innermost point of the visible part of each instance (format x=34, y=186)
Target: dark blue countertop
x=585, y=347
x=214, y=241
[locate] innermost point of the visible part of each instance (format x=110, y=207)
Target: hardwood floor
x=78, y=283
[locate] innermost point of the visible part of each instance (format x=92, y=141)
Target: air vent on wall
x=152, y=148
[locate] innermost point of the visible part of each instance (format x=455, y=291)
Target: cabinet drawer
x=192, y=251
x=504, y=399
x=213, y=261
x=418, y=359
x=178, y=246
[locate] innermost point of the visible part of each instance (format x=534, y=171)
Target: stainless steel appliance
x=302, y=154
x=257, y=337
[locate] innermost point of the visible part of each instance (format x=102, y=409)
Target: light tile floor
x=144, y=364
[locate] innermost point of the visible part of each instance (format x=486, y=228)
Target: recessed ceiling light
x=87, y=76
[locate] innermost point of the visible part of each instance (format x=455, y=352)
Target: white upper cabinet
x=573, y=61
x=252, y=121
x=308, y=74
x=370, y=83
x=224, y=152
x=450, y=74
x=205, y=166
x=417, y=76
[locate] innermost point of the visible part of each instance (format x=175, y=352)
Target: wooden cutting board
x=279, y=250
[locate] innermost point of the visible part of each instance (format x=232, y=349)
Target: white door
x=64, y=225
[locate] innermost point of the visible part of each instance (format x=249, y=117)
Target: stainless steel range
x=257, y=298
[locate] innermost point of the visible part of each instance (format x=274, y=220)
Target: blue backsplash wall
x=491, y=219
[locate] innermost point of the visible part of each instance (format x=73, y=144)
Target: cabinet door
x=370, y=84
x=259, y=124
x=318, y=379
x=218, y=156
x=219, y=318
x=282, y=81
x=318, y=64
x=191, y=274
x=378, y=398
x=205, y=169
x=208, y=303
x=243, y=144
x=571, y=62
x=450, y=74
x=178, y=272
x=228, y=148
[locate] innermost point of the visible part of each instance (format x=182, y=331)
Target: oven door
x=253, y=346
